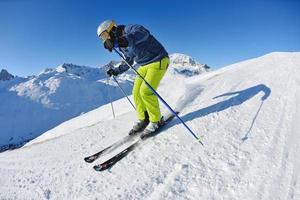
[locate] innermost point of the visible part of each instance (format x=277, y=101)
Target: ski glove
x=109, y=45
x=112, y=72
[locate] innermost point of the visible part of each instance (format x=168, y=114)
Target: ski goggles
x=104, y=36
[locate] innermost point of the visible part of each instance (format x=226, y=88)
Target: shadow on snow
x=238, y=98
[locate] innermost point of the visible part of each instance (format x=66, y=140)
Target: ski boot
x=140, y=125
x=152, y=128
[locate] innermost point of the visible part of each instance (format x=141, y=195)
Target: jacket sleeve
x=124, y=67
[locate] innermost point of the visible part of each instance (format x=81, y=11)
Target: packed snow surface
x=248, y=117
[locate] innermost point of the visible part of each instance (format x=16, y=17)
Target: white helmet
x=107, y=25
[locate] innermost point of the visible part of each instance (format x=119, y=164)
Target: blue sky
x=37, y=34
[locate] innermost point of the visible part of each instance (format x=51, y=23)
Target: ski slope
x=62, y=93
x=247, y=114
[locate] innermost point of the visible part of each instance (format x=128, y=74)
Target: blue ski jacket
x=142, y=48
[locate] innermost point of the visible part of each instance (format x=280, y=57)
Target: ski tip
x=88, y=160
x=102, y=167
x=97, y=168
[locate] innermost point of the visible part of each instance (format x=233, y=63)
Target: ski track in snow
x=247, y=113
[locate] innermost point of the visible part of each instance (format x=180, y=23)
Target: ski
x=110, y=162
x=113, y=160
x=108, y=149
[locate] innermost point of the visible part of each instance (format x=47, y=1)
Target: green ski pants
x=144, y=98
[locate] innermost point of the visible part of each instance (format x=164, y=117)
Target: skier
x=137, y=44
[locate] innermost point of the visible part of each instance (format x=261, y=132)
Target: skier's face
x=104, y=36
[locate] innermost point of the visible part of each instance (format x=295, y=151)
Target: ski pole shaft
x=123, y=92
x=158, y=95
x=110, y=99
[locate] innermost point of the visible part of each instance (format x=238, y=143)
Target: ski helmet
x=104, y=29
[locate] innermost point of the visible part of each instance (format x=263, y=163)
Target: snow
x=247, y=115
x=33, y=105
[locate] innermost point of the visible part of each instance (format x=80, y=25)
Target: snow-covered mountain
x=5, y=76
x=30, y=106
x=186, y=65
x=247, y=114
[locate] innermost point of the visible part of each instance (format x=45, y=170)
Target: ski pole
x=123, y=92
x=156, y=93
x=108, y=91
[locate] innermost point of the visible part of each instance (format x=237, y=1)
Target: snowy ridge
x=249, y=121
x=84, y=72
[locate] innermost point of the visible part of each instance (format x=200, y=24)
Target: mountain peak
x=186, y=65
x=5, y=76
x=69, y=67
x=177, y=58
